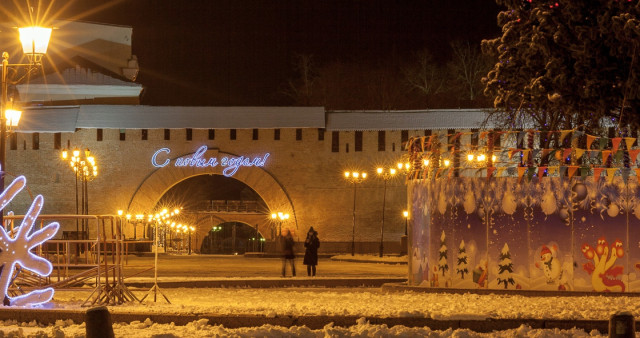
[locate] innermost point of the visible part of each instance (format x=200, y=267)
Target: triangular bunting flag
x=605, y=155
x=616, y=143
x=617, y=156
x=511, y=151
x=572, y=170
x=624, y=172
x=611, y=172
x=530, y=173
x=525, y=154
x=490, y=171
x=521, y=171
x=499, y=171
x=545, y=153
x=551, y=170
x=637, y=170
x=597, y=172
x=557, y=154
x=563, y=135
x=629, y=141
x=541, y=171
x=590, y=140
x=579, y=153
x=563, y=171
x=521, y=136
x=603, y=142
x=566, y=154
x=633, y=154
x=535, y=152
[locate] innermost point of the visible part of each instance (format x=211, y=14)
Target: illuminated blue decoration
x=231, y=164
x=17, y=249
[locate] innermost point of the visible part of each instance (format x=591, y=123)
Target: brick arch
x=162, y=179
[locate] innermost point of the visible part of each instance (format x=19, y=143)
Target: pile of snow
x=201, y=328
x=365, y=302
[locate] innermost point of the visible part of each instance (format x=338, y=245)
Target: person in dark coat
x=311, y=244
x=287, y=254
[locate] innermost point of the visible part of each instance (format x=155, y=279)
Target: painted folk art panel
x=551, y=233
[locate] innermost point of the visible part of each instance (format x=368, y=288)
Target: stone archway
x=162, y=179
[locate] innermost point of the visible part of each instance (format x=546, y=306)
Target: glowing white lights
x=17, y=249
x=232, y=164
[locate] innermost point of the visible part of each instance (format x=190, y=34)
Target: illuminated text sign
x=230, y=164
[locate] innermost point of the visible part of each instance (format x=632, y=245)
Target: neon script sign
x=231, y=164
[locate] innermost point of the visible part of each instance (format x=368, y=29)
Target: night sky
x=239, y=52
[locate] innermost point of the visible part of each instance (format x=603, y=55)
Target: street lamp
x=385, y=175
x=35, y=41
x=355, y=178
x=279, y=218
x=406, y=218
x=85, y=169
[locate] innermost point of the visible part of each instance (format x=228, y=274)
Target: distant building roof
x=406, y=119
x=68, y=118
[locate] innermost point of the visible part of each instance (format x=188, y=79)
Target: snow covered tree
x=442, y=260
x=505, y=267
x=564, y=64
x=462, y=260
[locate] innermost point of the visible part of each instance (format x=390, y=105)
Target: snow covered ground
x=361, y=302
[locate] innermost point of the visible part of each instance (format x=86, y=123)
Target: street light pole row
x=386, y=174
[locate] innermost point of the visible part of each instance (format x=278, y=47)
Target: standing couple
x=311, y=244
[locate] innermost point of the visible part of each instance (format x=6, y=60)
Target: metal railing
x=97, y=256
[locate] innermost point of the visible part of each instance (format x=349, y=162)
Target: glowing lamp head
x=447, y=163
x=407, y=165
x=392, y=171
x=13, y=117
x=379, y=170
x=399, y=166
x=120, y=212
x=274, y=216
x=356, y=175
x=493, y=158
x=425, y=162
x=481, y=158
x=469, y=157
x=364, y=175
x=34, y=40
x=65, y=154
x=76, y=152
x=405, y=213
x=128, y=216
x=347, y=174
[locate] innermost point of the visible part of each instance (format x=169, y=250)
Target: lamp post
x=85, y=170
x=386, y=175
x=35, y=41
x=191, y=228
x=406, y=218
x=279, y=218
x=354, y=178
